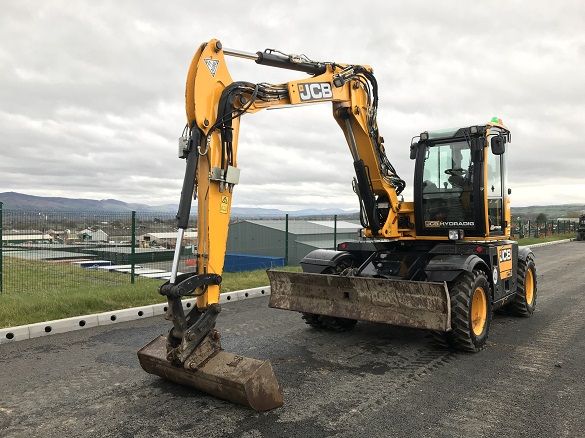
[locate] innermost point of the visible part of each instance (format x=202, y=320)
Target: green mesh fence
x=49, y=249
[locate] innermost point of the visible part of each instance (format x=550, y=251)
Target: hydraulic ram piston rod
x=177, y=255
x=278, y=60
x=240, y=54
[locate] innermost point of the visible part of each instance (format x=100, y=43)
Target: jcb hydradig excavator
x=443, y=262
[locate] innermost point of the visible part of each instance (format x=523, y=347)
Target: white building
x=23, y=238
x=93, y=236
x=167, y=239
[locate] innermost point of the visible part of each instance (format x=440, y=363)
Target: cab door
x=495, y=184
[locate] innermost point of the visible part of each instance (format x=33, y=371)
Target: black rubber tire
x=331, y=323
x=519, y=306
x=461, y=337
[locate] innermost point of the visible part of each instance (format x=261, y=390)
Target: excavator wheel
x=524, y=301
x=471, y=312
x=331, y=323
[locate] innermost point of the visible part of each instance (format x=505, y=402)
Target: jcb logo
x=505, y=254
x=505, y=262
x=315, y=91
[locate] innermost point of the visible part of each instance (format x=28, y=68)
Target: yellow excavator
x=444, y=262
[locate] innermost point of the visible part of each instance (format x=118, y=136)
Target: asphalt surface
x=376, y=381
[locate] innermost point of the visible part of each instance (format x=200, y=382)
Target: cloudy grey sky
x=91, y=92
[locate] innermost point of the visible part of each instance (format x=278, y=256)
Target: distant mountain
x=20, y=201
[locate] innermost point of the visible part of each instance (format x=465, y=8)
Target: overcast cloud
x=91, y=93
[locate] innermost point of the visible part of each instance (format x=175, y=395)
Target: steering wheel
x=456, y=172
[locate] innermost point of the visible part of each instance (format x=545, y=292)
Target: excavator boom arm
x=214, y=104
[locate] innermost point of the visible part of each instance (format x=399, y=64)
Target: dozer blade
x=242, y=380
x=406, y=303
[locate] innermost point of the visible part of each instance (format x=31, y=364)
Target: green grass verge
x=535, y=240
x=40, y=291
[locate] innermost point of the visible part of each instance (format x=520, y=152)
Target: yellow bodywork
x=202, y=93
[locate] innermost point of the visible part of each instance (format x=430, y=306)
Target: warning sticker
x=212, y=65
x=223, y=207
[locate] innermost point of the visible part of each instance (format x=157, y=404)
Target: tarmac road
x=376, y=381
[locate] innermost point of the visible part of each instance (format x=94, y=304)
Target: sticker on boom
x=212, y=65
x=315, y=91
x=223, y=206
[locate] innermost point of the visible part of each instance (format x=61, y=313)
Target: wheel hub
x=478, y=311
x=529, y=287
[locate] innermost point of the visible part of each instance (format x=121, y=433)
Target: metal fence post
x=335, y=231
x=133, y=247
x=1, y=252
x=286, y=240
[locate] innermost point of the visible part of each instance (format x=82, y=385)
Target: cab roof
x=460, y=132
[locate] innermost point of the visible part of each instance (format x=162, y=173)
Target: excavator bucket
x=406, y=303
x=246, y=381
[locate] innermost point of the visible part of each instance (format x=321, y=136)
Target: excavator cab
x=459, y=181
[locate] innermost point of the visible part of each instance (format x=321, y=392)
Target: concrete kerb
x=553, y=242
x=20, y=333
x=29, y=331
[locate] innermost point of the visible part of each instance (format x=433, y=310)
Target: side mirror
x=498, y=145
x=413, y=148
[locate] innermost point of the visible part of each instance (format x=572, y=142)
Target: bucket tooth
x=246, y=381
